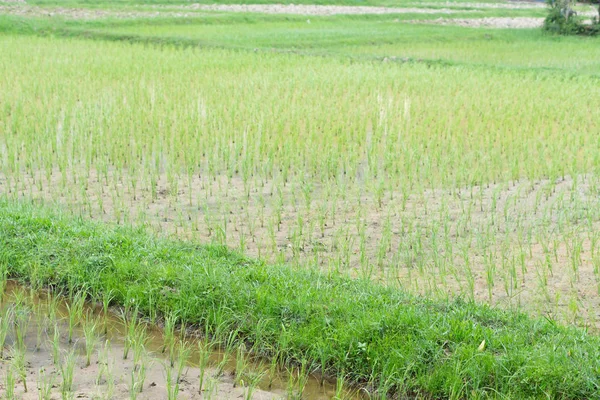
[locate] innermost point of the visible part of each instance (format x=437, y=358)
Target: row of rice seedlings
x=390, y=115
x=393, y=145
x=136, y=338
x=386, y=239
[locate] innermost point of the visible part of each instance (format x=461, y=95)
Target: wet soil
x=109, y=375
x=508, y=244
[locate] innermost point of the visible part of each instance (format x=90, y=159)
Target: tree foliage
x=563, y=19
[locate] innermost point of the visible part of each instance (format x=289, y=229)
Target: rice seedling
x=252, y=381
x=273, y=369
x=109, y=389
x=42, y=324
x=297, y=379
x=211, y=388
x=142, y=367
x=140, y=360
x=292, y=384
x=9, y=384
x=241, y=365
x=184, y=350
x=339, y=387
x=75, y=311
x=104, y=370
x=129, y=319
x=90, y=333
x=19, y=365
x=138, y=343
x=303, y=375
x=67, y=369
x=169, y=331
x=105, y=379
x=45, y=384
x=107, y=297
x=52, y=306
x=56, y=345
x=172, y=385
x=204, y=351
x=6, y=320
x=3, y=282
x=21, y=320
x=228, y=350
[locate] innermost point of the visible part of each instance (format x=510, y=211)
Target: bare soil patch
x=498, y=22
x=509, y=244
x=488, y=22
x=86, y=14
x=515, y=5
x=195, y=10
x=301, y=9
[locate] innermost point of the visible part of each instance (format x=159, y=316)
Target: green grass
x=357, y=37
x=385, y=37
x=367, y=331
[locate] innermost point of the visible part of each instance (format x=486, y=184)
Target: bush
x=563, y=20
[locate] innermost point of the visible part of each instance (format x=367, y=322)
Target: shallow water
x=113, y=329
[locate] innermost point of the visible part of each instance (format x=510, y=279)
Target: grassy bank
x=375, y=335
x=361, y=38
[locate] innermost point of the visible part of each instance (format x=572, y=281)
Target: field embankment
x=378, y=337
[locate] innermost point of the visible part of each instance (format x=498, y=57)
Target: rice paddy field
x=398, y=201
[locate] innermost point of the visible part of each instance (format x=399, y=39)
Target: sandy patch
x=87, y=14
x=18, y=7
x=195, y=9
x=520, y=5
x=300, y=9
x=489, y=22
x=499, y=22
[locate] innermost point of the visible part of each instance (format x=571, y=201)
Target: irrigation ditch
x=60, y=344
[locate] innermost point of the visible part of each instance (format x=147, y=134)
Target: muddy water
x=86, y=385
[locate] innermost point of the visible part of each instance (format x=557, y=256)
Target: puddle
x=109, y=375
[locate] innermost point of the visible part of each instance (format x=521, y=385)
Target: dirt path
x=489, y=22
x=194, y=10
x=497, y=22
x=515, y=5
x=301, y=9
x=24, y=10
x=19, y=7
